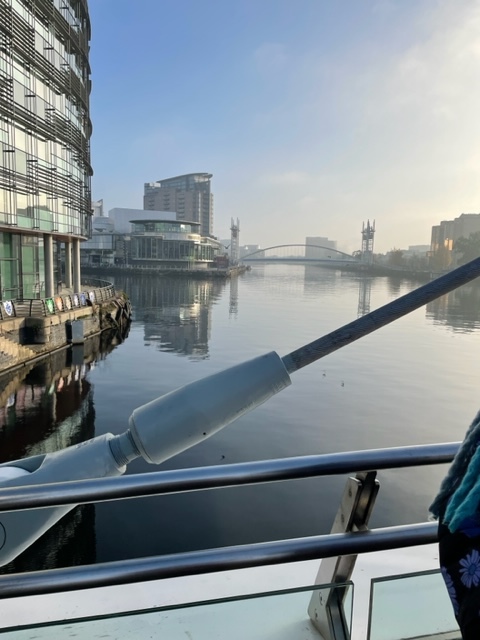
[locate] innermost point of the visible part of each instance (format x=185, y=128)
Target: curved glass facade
x=168, y=241
x=44, y=121
x=165, y=227
x=149, y=248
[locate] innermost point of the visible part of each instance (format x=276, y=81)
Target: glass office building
x=170, y=243
x=45, y=198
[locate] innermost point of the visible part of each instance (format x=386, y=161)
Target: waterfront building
x=45, y=201
x=172, y=243
x=158, y=241
x=110, y=241
x=189, y=195
x=445, y=234
x=123, y=217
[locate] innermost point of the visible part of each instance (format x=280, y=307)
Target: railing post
x=326, y=607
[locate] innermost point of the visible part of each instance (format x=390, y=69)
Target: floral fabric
x=460, y=566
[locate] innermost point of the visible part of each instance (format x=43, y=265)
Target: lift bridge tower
x=234, y=241
x=368, y=235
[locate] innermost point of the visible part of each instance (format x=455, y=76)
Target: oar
x=380, y=317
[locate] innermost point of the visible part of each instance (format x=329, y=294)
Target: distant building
x=445, y=234
x=99, y=250
x=442, y=236
x=313, y=242
x=122, y=218
x=110, y=241
x=188, y=195
x=418, y=249
x=127, y=238
x=173, y=243
x=247, y=249
x=97, y=206
x=465, y=224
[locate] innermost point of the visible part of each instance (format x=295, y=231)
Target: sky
x=312, y=115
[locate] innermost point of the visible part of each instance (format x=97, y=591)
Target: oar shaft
x=380, y=317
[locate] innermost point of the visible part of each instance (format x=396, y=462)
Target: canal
x=416, y=381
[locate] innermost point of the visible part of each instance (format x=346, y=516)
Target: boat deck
x=219, y=605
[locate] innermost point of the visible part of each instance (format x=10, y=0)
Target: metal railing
x=225, y=558
x=93, y=292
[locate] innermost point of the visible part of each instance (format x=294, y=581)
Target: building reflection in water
x=364, y=293
x=47, y=408
x=233, y=300
x=459, y=309
x=175, y=312
x=318, y=278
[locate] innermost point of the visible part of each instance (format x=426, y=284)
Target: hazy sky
x=312, y=115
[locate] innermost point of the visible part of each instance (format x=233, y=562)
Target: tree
x=417, y=262
x=467, y=248
x=395, y=258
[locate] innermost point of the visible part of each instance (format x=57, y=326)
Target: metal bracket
x=326, y=605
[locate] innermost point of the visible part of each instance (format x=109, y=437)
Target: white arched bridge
x=299, y=253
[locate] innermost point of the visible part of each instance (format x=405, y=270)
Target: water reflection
x=364, y=294
x=71, y=542
x=318, y=278
x=176, y=312
x=348, y=402
x=394, y=284
x=50, y=410
x=233, y=302
x=459, y=309
x=44, y=409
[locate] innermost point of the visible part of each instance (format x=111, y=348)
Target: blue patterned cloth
x=460, y=566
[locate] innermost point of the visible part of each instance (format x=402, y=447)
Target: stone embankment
x=24, y=340
x=178, y=272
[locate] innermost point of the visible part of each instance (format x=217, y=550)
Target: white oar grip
x=183, y=418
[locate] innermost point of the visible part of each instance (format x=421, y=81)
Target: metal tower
x=368, y=233
x=234, y=241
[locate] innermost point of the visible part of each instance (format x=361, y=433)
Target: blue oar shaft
x=380, y=317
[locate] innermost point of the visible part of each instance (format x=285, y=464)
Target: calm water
x=416, y=381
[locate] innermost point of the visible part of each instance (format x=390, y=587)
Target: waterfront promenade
x=34, y=328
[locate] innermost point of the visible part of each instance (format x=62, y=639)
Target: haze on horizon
x=312, y=116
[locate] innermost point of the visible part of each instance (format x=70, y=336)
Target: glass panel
x=410, y=606
x=22, y=204
x=21, y=162
x=276, y=616
x=9, y=245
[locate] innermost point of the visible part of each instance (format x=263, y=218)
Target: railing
x=225, y=558
x=94, y=292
